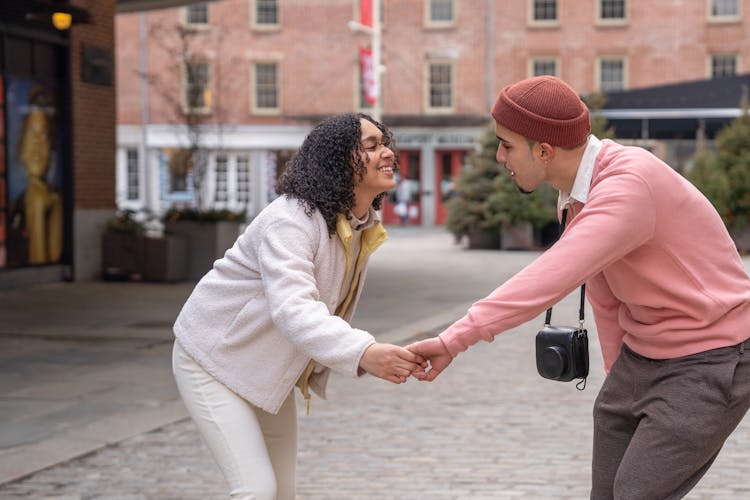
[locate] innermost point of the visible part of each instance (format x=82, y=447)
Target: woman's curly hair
x=321, y=174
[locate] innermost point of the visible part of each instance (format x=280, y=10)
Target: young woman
x=274, y=312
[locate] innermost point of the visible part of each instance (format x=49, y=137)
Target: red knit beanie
x=544, y=109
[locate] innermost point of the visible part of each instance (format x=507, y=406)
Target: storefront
x=430, y=161
x=35, y=174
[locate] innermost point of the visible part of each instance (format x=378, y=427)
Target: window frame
x=258, y=26
x=542, y=23
x=429, y=109
x=254, y=108
x=429, y=23
x=712, y=59
x=185, y=17
x=533, y=60
x=617, y=21
x=599, y=61
x=186, y=109
x=718, y=19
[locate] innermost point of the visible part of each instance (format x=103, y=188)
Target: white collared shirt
x=582, y=183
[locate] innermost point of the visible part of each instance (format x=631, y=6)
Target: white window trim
x=612, y=22
x=532, y=60
x=535, y=23
x=710, y=62
x=205, y=110
x=598, y=72
x=121, y=179
x=438, y=111
x=723, y=19
x=254, y=109
x=255, y=26
x=195, y=26
x=430, y=24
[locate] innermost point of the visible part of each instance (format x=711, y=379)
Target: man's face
x=519, y=159
x=378, y=159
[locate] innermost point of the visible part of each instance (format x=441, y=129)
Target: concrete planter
x=206, y=242
x=137, y=258
x=517, y=237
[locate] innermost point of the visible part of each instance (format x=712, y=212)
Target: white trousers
x=255, y=450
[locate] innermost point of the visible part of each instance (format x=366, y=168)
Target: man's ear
x=546, y=152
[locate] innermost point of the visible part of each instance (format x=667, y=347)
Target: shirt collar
x=582, y=183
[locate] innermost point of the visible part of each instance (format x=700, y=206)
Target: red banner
x=365, y=12
x=367, y=73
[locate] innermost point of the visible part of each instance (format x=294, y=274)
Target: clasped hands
x=424, y=360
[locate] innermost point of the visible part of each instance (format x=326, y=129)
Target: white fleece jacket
x=267, y=307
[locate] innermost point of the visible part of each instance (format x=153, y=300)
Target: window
x=243, y=181
x=543, y=66
x=197, y=93
x=180, y=166
x=265, y=14
x=440, y=12
x=196, y=14
x=723, y=65
x=612, y=9
x=266, y=83
x=131, y=173
x=611, y=12
x=723, y=9
x=611, y=75
x=221, y=184
x=440, y=86
x=544, y=11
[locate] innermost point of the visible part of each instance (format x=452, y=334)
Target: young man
x=670, y=296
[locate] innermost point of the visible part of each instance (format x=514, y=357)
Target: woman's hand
x=390, y=362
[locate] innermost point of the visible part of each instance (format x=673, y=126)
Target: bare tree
x=191, y=85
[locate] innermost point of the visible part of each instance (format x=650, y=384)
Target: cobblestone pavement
x=488, y=428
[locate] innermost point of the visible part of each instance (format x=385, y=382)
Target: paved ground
x=84, y=373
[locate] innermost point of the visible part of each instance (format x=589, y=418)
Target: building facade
x=213, y=98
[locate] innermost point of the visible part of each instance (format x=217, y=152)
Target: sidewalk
x=89, y=408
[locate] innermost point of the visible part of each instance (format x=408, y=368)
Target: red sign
x=367, y=72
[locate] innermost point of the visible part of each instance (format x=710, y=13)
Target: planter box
x=123, y=256
x=137, y=258
x=484, y=239
x=517, y=237
x=206, y=242
x=165, y=259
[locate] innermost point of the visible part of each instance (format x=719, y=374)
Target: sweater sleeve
x=617, y=218
x=285, y=257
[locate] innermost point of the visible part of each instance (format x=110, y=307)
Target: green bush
x=191, y=214
x=487, y=198
x=724, y=177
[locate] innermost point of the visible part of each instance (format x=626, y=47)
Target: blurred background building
x=154, y=104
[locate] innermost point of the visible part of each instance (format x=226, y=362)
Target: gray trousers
x=659, y=424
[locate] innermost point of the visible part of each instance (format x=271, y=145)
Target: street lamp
x=375, y=34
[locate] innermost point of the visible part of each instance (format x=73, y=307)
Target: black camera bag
x=562, y=352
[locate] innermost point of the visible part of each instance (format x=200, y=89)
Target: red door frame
x=456, y=164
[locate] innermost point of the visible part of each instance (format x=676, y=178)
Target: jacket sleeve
x=285, y=256
x=617, y=218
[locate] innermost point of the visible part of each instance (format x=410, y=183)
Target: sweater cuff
x=463, y=334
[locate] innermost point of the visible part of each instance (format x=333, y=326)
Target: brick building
x=262, y=71
x=57, y=136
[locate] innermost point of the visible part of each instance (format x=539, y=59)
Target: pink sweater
x=662, y=273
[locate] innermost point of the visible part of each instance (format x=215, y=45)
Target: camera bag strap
x=548, y=316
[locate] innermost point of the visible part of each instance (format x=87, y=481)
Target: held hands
x=391, y=362
x=436, y=353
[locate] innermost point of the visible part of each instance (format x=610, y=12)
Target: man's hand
x=436, y=353
x=391, y=362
